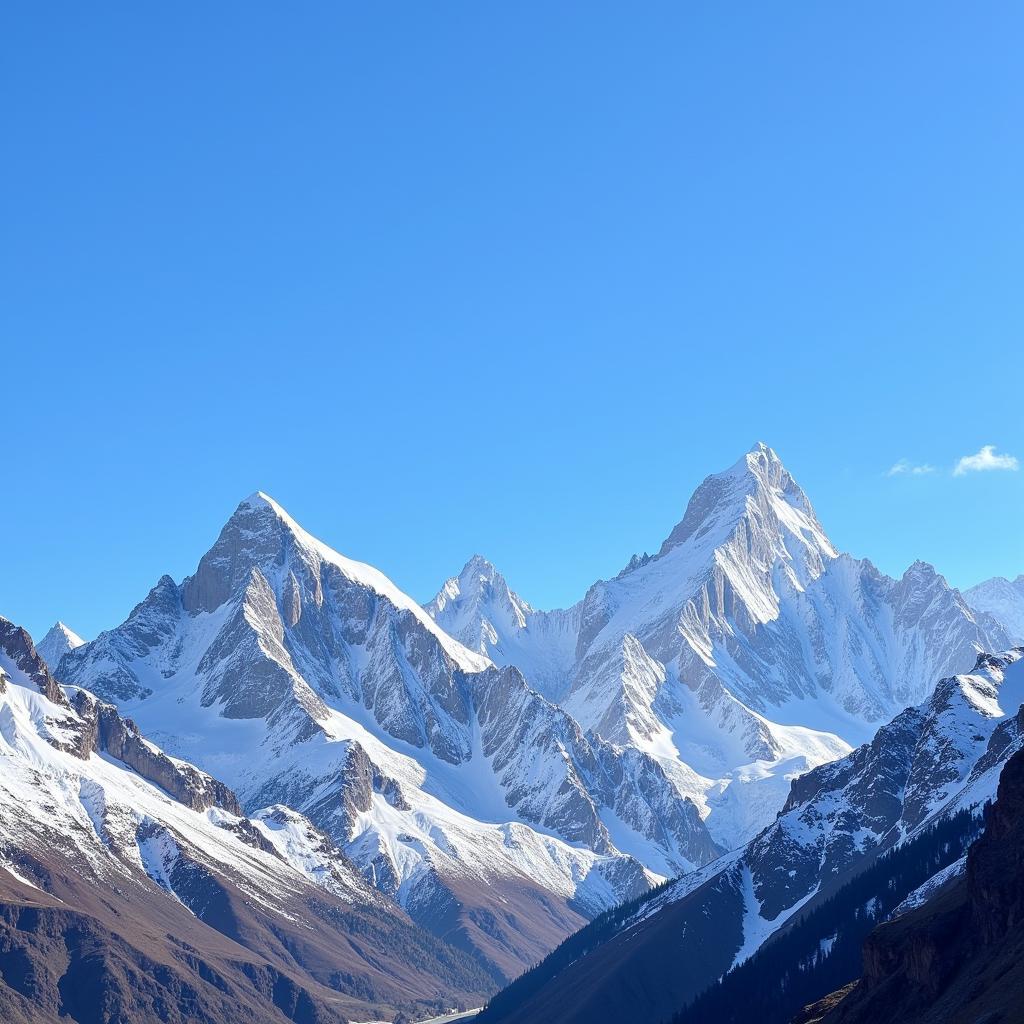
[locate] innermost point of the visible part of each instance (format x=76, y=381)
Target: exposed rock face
x=24, y=659
x=958, y=957
x=581, y=775
x=106, y=732
x=995, y=866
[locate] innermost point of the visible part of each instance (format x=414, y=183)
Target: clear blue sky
x=509, y=278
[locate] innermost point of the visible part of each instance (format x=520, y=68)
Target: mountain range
x=285, y=738
x=302, y=678
x=747, y=649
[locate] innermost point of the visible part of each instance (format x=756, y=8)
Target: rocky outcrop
x=338, y=801
x=16, y=643
x=104, y=731
x=995, y=866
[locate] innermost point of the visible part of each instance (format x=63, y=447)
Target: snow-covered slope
x=57, y=642
x=1003, y=599
x=307, y=680
x=939, y=757
x=99, y=825
x=746, y=651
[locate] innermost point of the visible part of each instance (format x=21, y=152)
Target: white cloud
x=905, y=466
x=984, y=460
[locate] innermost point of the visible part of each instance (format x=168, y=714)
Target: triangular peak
x=724, y=499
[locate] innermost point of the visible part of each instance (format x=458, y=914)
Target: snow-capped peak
x=262, y=535
x=479, y=583
x=479, y=609
x=57, y=642
x=758, y=491
x=920, y=569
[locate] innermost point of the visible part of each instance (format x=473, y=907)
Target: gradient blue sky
x=458, y=277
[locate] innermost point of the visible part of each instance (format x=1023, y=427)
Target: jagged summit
x=478, y=577
x=921, y=575
x=757, y=491
x=481, y=611
x=261, y=540
x=478, y=582
x=260, y=501
x=477, y=563
x=61, y=629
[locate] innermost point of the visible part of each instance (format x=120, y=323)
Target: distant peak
x=59, y=640
x=61, y=629
x=478, y=583
x=478, y=575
